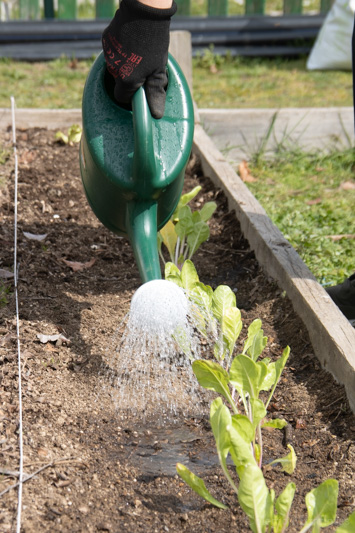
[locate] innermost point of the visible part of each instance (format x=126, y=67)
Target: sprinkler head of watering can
x=132, y=165
x=159, y=306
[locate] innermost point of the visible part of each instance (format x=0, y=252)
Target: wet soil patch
x=105, y=472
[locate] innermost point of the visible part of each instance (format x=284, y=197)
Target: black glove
x=136, y=46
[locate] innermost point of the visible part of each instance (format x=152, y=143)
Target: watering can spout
x=142, y=233
x=132, y=165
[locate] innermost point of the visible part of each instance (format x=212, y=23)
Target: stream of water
x=148, y=367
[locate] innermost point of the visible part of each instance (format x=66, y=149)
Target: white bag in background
x=332, y=48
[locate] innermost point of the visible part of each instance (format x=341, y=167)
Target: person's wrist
x=157, y=4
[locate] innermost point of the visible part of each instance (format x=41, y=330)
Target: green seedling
x=5, y=293
x=214, y=312
x=186, y=230
x=73, y=136
x=4, y=154
x=244, y=387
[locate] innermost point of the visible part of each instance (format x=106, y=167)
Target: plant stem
x=306, y=527
x=226, y=473
x=177, y=246
x=260, y=440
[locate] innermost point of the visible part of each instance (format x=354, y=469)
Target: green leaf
x=60, y=136
x=253, y=329
x=280, y=363
x=201, y=295
x=219, y=350
x=245, y=375
x=171, y=270
x=244, y=427
x=169, y=236
x=348, y=526
x=258, y=345
x=220, y=419
x=257, y=453
x=256, y=341
x=282, y=506
x=321, y=505
x=212, y=376
x=189, y=276
x=175, y=279
x=288, y=463
x=255, y=499
x=74, y=133
x=279, y=366
x=258, y=411
x=201, y=313
x=277, y=423
x=240, y=450
x=223, y=299
x=198, y=485
x=207, y=210
x=199, y=233
x=270, y=377
x=185, y=199
x=185, y=224
x=231, y=327
x=172, y=273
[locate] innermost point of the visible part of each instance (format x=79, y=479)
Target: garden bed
x=105, y=472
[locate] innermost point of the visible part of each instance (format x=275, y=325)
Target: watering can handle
x=144, y=160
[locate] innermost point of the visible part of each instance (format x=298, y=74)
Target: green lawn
x=265, y=83
x=217, y=82
x=311, y=199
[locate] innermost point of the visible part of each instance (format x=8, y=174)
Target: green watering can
x=133, y=166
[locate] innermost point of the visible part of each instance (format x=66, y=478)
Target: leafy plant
x=244, y=386
x=74, y=135
x=186, y=230
x=5, y=292
x=4, y=154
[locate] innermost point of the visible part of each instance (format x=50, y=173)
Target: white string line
x=19, y=504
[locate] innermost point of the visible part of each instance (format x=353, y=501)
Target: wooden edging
x=332, y=336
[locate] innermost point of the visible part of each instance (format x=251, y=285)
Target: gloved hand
x=136, y=46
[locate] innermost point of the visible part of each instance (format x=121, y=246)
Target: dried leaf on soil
x=76, y=266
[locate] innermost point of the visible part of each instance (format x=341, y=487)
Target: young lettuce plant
x=186, y=230
x=74, y=135
x=238, y=414
x=214, y=313
x=243, y=378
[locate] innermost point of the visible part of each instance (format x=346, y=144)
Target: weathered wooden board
x=332, y=336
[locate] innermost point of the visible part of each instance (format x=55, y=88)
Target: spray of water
x=149, y=368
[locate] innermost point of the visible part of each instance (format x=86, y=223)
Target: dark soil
x=102, y=472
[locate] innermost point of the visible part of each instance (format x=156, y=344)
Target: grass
x=217, y=82
x=302, y=193
x=266, y=83
x=55, y=84
x=311, y=198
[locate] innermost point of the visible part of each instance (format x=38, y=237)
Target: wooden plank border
x=331, y=334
